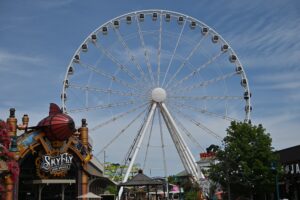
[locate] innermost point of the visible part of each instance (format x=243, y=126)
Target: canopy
x=89, y=195
x=141, y=180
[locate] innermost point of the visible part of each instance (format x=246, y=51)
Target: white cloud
x=281, y=86
x=14, y=63
x=54, y=3
x=287, y=80
x=9, y=58
x=282, y=128
x=278, y=76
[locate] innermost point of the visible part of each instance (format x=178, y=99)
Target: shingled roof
x=141, y=179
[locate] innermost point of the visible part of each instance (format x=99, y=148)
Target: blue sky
x=39, y=38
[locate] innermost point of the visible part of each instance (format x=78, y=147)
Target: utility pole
x=104, y=156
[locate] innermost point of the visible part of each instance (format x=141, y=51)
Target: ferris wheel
x=156, y=80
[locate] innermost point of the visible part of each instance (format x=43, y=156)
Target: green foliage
x=191, y=195
x=172, y=179
x=245, y=163
x=112, y=189
x=116, y=172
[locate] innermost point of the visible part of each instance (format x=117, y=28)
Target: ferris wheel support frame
x=183, y=151
x=182, y=148
x=138, y=146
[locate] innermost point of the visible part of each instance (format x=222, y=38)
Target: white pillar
x=136, y=150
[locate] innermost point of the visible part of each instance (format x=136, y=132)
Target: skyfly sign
x=56, y=164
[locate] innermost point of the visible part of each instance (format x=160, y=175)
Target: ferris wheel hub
x=158, y=95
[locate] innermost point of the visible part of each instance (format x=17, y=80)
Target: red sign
x=207, y=155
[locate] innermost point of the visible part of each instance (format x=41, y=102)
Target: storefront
x=290, y=183
x=55, y=159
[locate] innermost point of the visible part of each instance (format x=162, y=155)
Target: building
x=290, y=183
x=55, y=160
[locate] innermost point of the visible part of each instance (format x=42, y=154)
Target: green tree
x=112, y=189
x=244, y=166
x=116, y=172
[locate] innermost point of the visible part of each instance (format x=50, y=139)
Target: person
x=218, y=194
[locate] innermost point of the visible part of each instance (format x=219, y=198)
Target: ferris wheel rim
x=160, y=94
x=161, y=11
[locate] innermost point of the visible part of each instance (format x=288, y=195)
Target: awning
x=89, y=195
x=52, y=181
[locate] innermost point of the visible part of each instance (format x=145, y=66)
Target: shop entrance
x=33, y=187
x=56, y=189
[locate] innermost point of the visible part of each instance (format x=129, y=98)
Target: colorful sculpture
x=57, y=126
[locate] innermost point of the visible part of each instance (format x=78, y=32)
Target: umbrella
x=89, y=195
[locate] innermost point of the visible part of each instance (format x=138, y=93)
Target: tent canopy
x=89, y=195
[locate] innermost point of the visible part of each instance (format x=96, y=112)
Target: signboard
x=54, y=165
x=58, y=163
x=207, y=155
x=293, y=168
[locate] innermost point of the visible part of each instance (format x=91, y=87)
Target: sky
x=39, y=38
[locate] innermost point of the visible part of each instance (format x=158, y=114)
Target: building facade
x=55, y=160
x=290, y=182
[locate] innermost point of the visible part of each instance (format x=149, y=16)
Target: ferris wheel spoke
x=114, y=60
x=103, y=106
x=129, y=52
x=204, y=111
x=101, y=90
x=189, y=135
x=197, y=123
x=149, y=139
x=108, y=76
x=206, y=83
x=206, y=97
x=120, y=133
x=186, y=60
x=117, y=117
x=145, y=51
x=159, y=50
x=196, y=71
x=174, y=52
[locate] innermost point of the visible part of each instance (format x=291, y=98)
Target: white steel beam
x=195, y=169
x=180, y=145
x=138, y=146
x=179, y=149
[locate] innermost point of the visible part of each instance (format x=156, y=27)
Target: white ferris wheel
x=156, y=81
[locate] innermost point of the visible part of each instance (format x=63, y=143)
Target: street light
x=274, y=170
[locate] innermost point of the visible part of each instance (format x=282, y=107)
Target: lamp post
x=274, y=170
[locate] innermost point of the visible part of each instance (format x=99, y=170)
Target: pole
x=274, y=169
x=63, y=192
x=277, y=186
x=104, y=162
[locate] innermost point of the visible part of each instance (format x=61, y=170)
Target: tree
x=116, y=172
x=246, y=162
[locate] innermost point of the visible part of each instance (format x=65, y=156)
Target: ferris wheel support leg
x=180, y=144
x=177, y=144
x=195, y=169
x=187, y=163
x=139, y=143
